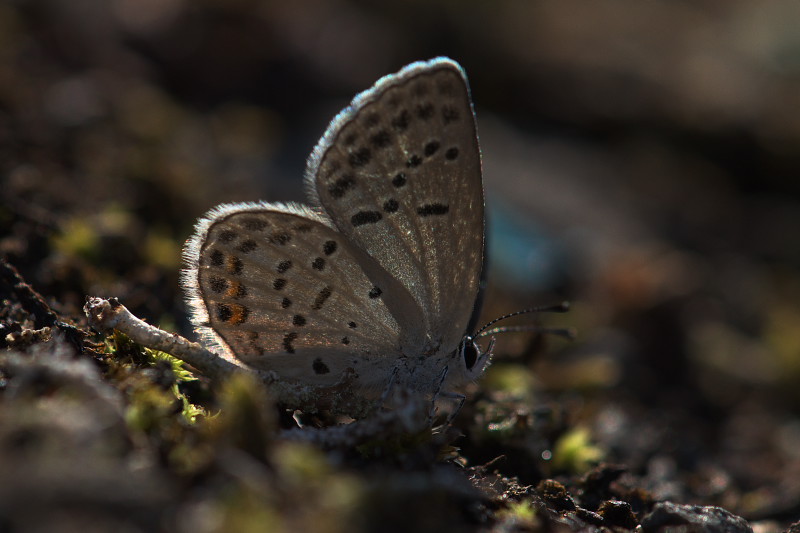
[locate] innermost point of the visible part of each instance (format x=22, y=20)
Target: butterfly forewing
x=283, y=291
x=399, y=173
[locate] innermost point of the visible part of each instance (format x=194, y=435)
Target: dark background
x=641, y=159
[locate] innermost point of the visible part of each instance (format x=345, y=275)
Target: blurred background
x=641, y=159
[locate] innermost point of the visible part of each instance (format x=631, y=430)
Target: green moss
x=246, y=420
x=326, y=491
x=78, y=238
x=782, y=338
x=148, y=407
x=575, y=453
x=517, y=515
x=301, y=464
x=156, y=402
x=513, y=380
x=162, y=250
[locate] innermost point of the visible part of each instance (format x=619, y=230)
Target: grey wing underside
x=399, y=173
x=280, y=289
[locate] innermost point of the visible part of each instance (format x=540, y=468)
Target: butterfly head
x=471, y=358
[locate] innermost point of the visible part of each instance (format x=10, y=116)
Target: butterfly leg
x=388, y=390
x=439, y=393
x=460, y=398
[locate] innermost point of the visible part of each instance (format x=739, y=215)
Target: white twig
x=109, y=314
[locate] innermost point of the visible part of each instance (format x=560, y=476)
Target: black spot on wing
x=339, y=187
x=237, y=290
x=391, y=205
x=401, y=121
x=253, y=337
x=233, y=314
x=433, y=209
x=329, y=247
x=450, y=114
x=425, y=111
x=288, y=339
x=227, y=236
x=321, y=297
x=224, y=312
x=431, y=148
x=414, y=161
x=381, y=139
x=234, y=265
x=280, y=237
x=360, y=157
x=365, y=217
x=247, y=246
x=319, y=367
x=218, y=284
x=254, y=224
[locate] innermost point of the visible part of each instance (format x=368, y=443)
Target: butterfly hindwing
x=281, y=290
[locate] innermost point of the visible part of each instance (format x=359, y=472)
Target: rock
x=693, y=518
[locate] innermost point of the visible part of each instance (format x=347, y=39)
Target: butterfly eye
x=469, y=351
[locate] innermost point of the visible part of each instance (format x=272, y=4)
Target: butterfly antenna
x=567, y=333
x=562, y=307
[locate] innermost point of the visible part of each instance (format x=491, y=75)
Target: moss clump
x=575, y=453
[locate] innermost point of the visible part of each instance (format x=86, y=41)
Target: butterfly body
x=373, y=286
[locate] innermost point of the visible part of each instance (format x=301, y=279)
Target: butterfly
x=375, y=285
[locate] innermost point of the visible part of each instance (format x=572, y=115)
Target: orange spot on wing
x=233, y=264
x=238, y=314
x=234, y=289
